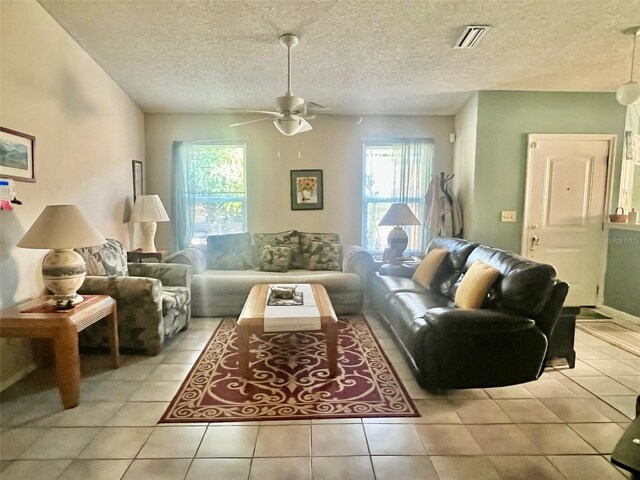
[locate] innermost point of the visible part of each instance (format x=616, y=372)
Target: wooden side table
x=63, y=327
x=138, y=256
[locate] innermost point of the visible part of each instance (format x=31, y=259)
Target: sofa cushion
x=274, y=258
x=306, y=239
x=216, y=282
x=475, y=285
x=109, y=259
x=429, y=266
x=390, y=284
x=325, y=256
x=288, y=238
x=229, y=252
x=524, y=287
x=192, y=256
x=451, y=267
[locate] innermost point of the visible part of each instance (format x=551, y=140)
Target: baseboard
x=16, y=377
x=620, y=315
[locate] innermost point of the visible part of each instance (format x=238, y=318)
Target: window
x=394, y=171
x=217, y=188
x=630, y=172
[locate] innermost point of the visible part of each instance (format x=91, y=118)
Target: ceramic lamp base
x=64, y=302
x=63, y=273
x=398, y=241
x=149, y=230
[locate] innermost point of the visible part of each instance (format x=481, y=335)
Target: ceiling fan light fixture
x=288, y=126
x=629, y=93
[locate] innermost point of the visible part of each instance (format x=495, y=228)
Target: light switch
x=507, y=216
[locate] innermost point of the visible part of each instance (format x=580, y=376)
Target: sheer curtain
x=395, y=171
x=415, y=169
x=182, y=203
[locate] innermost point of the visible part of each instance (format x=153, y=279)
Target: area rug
x=614, y=334
x=290, y=379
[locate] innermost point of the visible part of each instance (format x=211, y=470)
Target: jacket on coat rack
x=443, y=214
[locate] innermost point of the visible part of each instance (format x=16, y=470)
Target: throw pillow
x=428, y=267
x=325, y=256
x=192, y=256
x=288, y=238
x=475, y=285
x=109, y=259
x=229, y=252
x=275, y=258
x=306, y=239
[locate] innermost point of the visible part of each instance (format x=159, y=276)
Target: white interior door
x=564, y=208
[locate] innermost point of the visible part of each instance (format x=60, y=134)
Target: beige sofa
x=217, y=293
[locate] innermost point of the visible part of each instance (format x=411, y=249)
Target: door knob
x=533, y=226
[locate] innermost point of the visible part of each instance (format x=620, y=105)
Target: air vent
x=471, y=36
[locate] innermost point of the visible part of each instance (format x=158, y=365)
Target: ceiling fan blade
x=308, y=109
x=315, y=106
x=242, y=110
x=251, y=121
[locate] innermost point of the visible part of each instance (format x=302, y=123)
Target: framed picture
x=306, y=190
x=17, y=155
x=138, y=180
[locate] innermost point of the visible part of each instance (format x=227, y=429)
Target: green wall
x=623, y=271
x=505, y=118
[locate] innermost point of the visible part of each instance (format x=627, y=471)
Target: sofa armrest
x=357, y=260
x=123, y=288
x=485, y=321
x=170, y=274
x=192, y=256
x=399, y=270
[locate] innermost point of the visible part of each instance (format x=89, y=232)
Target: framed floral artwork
x=306, y=190
x=17, y=155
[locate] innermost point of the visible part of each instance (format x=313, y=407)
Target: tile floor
x=562, y=426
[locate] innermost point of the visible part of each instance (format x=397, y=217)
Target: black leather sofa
x=503, y=343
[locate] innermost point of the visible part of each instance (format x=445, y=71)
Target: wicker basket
x=618, y=217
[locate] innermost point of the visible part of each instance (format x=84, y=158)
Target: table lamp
x=397, y=215
x=148, y=210
x=62, y=228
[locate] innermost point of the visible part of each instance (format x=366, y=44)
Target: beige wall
x=333, y=146
x=87, y=132
x=464, y=164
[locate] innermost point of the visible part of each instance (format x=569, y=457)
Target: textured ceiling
x=355, y=56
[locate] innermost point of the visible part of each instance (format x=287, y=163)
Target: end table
x=33, y=319
x=138, y=256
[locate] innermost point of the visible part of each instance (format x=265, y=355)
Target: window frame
x=388, y=142
x=230, y=143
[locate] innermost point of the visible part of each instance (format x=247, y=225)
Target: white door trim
x=612, y=138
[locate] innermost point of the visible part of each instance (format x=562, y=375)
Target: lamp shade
x=61, y=227
x=398, y=214
x=149, y=208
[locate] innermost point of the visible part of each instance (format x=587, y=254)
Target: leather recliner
x=502, y=343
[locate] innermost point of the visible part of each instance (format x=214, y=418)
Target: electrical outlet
x=507, y=216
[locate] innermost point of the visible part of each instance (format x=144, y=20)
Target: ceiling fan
x=292, y=111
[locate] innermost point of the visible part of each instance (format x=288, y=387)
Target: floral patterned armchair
x=154, y=299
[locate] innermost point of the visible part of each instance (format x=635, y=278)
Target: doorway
x=568, y=177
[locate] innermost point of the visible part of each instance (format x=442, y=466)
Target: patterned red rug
x=290, y=379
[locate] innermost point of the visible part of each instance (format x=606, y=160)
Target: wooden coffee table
x=251, y=321
x=63, y=328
